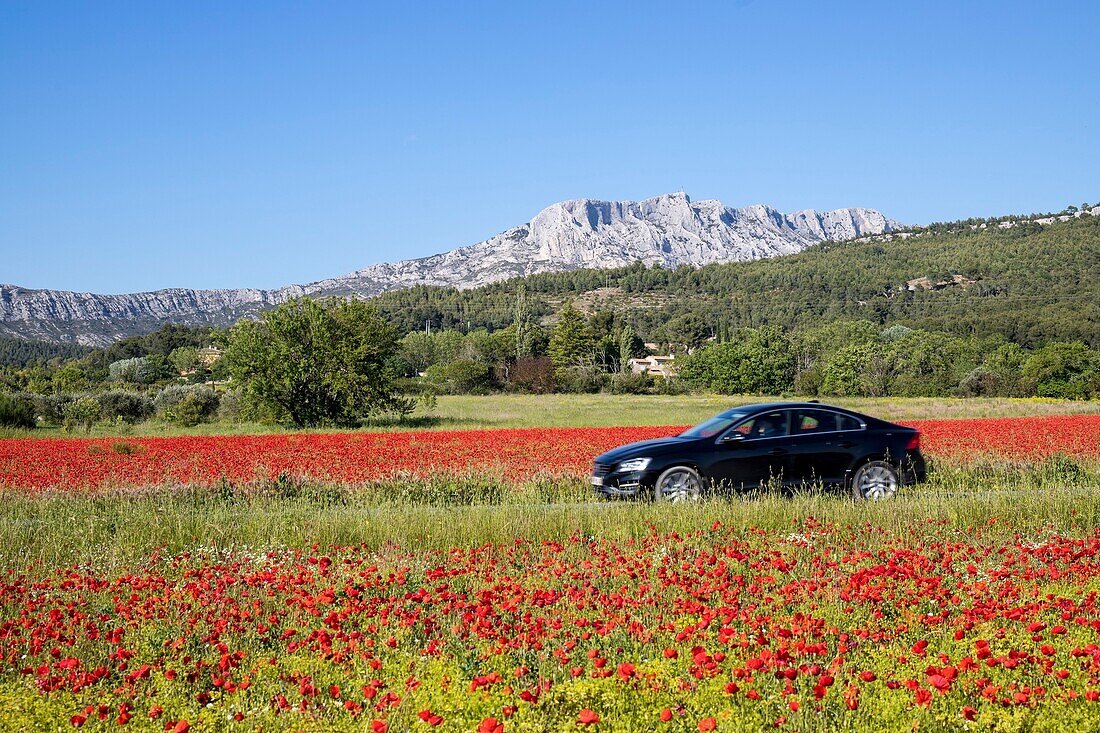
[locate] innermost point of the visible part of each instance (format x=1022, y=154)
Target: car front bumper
x=621, y=484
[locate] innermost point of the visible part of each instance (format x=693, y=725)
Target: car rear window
x=813, y=421
x=844, y=422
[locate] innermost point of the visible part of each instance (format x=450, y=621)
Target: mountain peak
x=669, y=230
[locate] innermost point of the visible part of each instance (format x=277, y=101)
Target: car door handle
x=845, y=444
x=777, y=452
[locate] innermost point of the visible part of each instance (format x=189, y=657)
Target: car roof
x=767, y=406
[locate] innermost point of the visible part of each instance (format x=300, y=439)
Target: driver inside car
x=769, y=426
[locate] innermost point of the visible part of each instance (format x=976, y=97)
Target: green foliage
x=138, y=370
x=630, y=347
x=19, y=352
x=161, y=342
x=685, y=329
x=317, y=362
x=857, y=370
x=129, y=407
x=186, y=405
x=758, y=361
x=1068, y=371
x=572, y=346
x=461, y=376
x=82, y=412
x=924, y=364
x=419, y=351
x=16, y=412
x=626, y=382
x=72, y=377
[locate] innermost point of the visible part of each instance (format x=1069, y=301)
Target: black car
x=789, y=443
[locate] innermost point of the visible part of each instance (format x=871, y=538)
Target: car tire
x=679, y=484
x=875, y=481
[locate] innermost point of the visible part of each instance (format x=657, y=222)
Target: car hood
x=649, y=448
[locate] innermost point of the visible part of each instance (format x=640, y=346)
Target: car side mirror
x=733, y=437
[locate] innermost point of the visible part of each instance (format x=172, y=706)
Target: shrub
x=532, y=374
x=16, y=412
x=759, y=361
x=83, y=411
x=582, y=380
x=631, y=383
x=138, y=370
x=186, y=405
x=980, y=382
x=231, y=406
x=462, y=376
x=130, y=407
x=51, y=407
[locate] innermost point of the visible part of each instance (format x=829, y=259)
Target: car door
x=753, y=452
x=822, y=445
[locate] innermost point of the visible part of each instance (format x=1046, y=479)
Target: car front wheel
x=875, y=481
x=678, y=484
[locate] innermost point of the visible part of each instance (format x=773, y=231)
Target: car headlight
x=635, y=464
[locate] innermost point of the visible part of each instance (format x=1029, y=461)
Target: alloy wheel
x=680, y=486
x=877, y=482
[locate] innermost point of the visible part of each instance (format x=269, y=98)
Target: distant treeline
x=19, y=353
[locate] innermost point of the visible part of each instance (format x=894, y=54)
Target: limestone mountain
x=669, y=230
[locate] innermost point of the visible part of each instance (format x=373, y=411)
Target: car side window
x=808, y=422
x=844, y=422
x=768, y=425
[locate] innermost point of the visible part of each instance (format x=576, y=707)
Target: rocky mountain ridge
x=669, y=230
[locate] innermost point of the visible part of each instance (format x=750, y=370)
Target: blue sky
x=216, y=144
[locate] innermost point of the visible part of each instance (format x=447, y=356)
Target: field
x=465, y=580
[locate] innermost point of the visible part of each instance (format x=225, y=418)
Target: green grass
x=113, y=531
x=467, y=412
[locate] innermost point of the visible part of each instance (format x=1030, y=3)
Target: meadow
x=480, y=412
x=486, y=598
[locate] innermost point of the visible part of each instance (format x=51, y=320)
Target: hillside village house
x=656, y=366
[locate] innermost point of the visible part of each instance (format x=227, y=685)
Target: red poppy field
x=811, y=627
x=518, y=454
x=209, y=610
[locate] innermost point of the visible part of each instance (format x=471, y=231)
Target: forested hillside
x=1029, y=283
x=20, y=353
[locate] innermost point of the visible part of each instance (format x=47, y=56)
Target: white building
x=657, y=366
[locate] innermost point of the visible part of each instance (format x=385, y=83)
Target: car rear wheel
x=875, y=481
x=678, y=484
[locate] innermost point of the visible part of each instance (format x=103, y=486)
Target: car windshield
x=713, y=426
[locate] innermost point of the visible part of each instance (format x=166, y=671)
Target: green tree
x=572, y=346
x=461, y=376
x=1066, y=370
x=630, y=347
x=419, y=351
x=70, y=378
x=857, y=370
x=16, y=412
x=760, y=361
x=526, y=328
x=925, y=364
x=186, y=360
x=316, y=362
x=687, y=329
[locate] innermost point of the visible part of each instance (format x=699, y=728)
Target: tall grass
x=467, y=412
x=113, y=531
